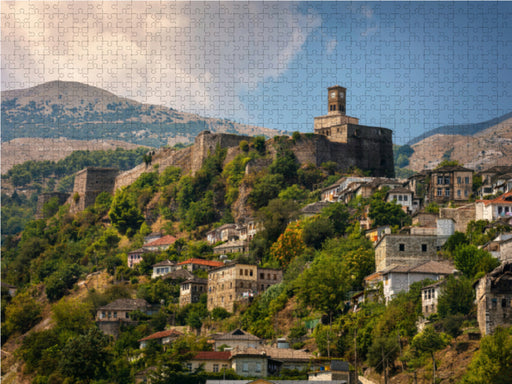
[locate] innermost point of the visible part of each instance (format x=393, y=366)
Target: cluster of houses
x=401, y=259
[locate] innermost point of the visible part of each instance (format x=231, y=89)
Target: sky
x=407, y=66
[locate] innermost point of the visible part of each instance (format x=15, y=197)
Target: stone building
x=364, y=147
x=162, y=268
x=497, y=208
x=450, y=183
x=398, y=249
x=89, y=183
x=430, y=296
x=461, y=215
x=494, y=299
x=237, y=339
x=191, y=290
x=111, y=316
x=210, y=361
x=403, y=197
x=164, y=338
x=135, y=257
x=232, y=282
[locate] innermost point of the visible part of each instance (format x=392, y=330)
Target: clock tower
x=337, y=99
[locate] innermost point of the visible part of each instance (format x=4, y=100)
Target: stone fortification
x=89, y=183
x=43, y=198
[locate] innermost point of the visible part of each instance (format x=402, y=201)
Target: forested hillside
x=67, y=266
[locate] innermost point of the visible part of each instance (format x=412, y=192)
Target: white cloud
x=192, y=56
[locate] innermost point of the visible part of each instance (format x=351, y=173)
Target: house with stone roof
x=163, y=268
x=191, y=290
x=398, y=278
x=160, y=244
x=164, y=338
x=450, y=183
x=194, y=264
x=135, y=257
x=497, y=208
x=226, y=232
x=237, y=338
x=314, y=209
x=430, y=296
x=403, y=197
x=495, y=179
x=210, y=361
x=232, y=246
x=178, y=275
x=111, y=316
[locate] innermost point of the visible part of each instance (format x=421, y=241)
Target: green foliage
x=51, y=207
x=310, y=176
x=285, y=164
x=294, y=193
x=316, y=231
x=457, y=297
x=265, y=189
x=220, y=313
x=40, y=351
x=384, y=213
x=86, y=357
x=71, y=315
x=455, y=241
x=383, y=352
x=258, y=142
x=471, y=260
x=59, y=283
x=21, y=314
x=169, y=175
x=492, y=363
x=448, y=163
x=244, y=145
x=124, y=213
x=401, y=155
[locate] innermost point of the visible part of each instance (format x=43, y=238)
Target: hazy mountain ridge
x=461, y=129
x=486, y=148
x=81, y=112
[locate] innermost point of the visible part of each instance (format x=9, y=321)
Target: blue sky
x=407, y=66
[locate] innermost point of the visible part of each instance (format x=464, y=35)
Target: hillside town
x=254, y=260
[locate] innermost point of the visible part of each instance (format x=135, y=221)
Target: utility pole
x=355, y=354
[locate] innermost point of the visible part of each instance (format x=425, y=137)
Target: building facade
x=191, y=290
x=233, y=282
x=450, y=183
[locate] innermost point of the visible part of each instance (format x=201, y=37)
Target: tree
x=429, y=341
x=288, y=246
x=383, y=352
x=73, y=316
x=285, y=164
x=493, y=362
x=124, y=213
x=384, y=213
x=455, y=241
x=471, y=260
x=316, y=231
x=86, y=357
x=457, y=297
x=21, y=314
x=265, y=188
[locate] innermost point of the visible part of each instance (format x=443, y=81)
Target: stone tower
x=367, y=148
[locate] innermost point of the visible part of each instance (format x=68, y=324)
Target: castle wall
x=43, y=198
x=89, y=183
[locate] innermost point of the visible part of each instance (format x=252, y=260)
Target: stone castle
x=337, y=137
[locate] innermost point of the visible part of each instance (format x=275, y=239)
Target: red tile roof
x=166, y=240
x=209, y=263
x=212, y=355
x=162, y=334
x=506, y=198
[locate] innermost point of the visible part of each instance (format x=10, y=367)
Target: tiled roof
x=442, y=268
x=164, y=263
x=162, y=334
x=136, y=251
x=237, y=334
x=506, y=198
x=195, y=280
x=399, y=190
x=126, y=305
x=180, y=274
x=166, y=240
x=209, y=263
x=212, y=355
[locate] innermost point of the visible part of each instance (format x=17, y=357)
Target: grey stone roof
x=164, y=263
x=126, y=305
x=338, y=365
x=180, y=274
x=237, y=334
x=442, y=268
x=315, y=207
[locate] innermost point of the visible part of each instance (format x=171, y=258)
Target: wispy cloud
x=192, y=56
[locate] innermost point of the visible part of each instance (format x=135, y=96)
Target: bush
x=21, y=314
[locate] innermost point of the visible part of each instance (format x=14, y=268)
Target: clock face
x=333, y=95
x=342, y=95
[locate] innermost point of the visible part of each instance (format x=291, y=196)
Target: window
x=399, y=197
x=465, y=193
x=459, y=180
x=103, y=315
x=401, y=247
x=447, y=192
x=250, y=273
x=459, y=193
x=439, y=192
x=504, y=303
x=115, y=315
x=224, y=367
x=494, y=303
x=258, y=367
x=215, y=367
x=275, y=276
x=262, y=287
x=262, y=276
x=447, y=180
x=426, y=308
x=245, y=367
x=189, y=366
x=466, y=180
x=439, y=179
x=405, y=198
x=423, y=247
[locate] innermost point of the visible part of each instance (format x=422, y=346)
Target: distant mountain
x=461, y=129
x=484, y=149
x=72, y=110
